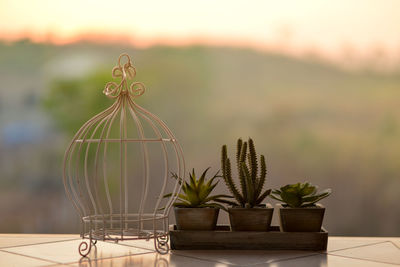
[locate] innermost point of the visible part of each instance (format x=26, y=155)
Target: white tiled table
x=62, y=250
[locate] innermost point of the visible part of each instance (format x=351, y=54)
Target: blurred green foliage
x=336, y=128
x=72, y=102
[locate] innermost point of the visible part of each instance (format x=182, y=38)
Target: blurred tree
x=73, y=101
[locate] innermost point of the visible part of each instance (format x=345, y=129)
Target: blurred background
x=316, y=84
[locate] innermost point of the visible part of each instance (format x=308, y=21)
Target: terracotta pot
x=196, y=218
x=251, y=219
x=301, y=219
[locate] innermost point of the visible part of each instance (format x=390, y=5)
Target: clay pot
x=196, y=218
x=251, y=219
x=301, y=219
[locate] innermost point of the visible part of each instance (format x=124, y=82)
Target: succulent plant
x=196, y=192
x=299, y=195
x=251, y=180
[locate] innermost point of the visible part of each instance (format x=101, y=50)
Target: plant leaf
x=291, y=198
x=253, y=161
x=212, y=205
x=205, y=191
x=315, y=198
x=193, y=179
x=175, y=176
x=216, y=197
x=276, y=198
x=307, y=189
x=216, y=175
x=249, y=184
x=276, y=191
x=263, y=174
x=202, y=178
x=226, y=202
x=242, y=178
x=192, y=196
x=263, y=196
x=183, y=204
x=239, y=145
x=231, y=185
x=227, y=174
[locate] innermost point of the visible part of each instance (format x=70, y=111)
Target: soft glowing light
x=333, y=28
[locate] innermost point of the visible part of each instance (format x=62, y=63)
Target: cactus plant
x=299, y=195
x=251, y=180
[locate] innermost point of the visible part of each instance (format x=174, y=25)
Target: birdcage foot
x=161, y=243
x=85, y=247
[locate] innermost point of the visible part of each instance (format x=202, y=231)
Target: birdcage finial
x=125, y=71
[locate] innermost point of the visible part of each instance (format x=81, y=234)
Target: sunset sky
x=333, y=29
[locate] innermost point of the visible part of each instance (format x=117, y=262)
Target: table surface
x=62, y=250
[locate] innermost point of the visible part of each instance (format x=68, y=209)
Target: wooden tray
x=224, y=238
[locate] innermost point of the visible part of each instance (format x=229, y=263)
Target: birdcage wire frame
x=82, y=183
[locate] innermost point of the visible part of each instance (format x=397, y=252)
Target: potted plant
x=300, y=211
x=194, y=208
x=247, y=213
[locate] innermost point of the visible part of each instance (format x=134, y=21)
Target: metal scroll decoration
x=117, y=169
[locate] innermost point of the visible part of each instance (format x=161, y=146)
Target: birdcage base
x=108, y=228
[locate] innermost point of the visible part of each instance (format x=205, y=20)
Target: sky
x=352, y=30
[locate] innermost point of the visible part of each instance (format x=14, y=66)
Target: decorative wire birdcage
x=117, y=169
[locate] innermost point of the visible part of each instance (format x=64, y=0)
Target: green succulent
x=251, y=181
x=196, y=192
x=299, y=195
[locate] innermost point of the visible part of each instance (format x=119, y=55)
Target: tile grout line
x=232, y=264
x=292, y=258
x=32, y=257
x=99, y=259
x=41, y=243
x=132, y=246
x=202, y=259
x=148, y=251
x=359, y=246
x=355, y=258
x=315, y=253
x=329, y=255
x=288, y=259
x=152, y=251
x=107, y=258
x=74, y=239
x=55, y=265
x=394, y=244
x=387, y=241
